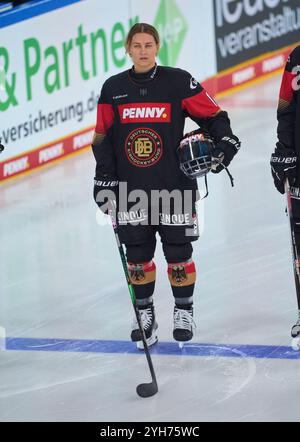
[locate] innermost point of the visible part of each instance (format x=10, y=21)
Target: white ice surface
x=61, y=277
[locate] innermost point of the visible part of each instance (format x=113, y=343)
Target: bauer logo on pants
x=143, y=147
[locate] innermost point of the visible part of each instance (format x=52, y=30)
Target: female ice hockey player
x=140, y=122
x=284, y=160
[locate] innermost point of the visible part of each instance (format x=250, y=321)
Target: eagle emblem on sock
x=179, y=274
x=137, y=273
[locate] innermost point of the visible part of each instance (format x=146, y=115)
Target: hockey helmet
x=195, y=154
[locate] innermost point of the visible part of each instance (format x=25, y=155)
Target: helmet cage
x=195, y=155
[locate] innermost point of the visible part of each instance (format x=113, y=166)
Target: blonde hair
x=143, y=28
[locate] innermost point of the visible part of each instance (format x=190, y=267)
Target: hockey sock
x=142, y=277
x=182, y=277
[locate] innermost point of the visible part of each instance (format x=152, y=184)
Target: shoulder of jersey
x=180, y=79
x=295, y=56
x=115, y=79
x=174, y=71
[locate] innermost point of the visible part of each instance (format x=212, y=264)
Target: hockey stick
x=293, y=241
x=143, y=390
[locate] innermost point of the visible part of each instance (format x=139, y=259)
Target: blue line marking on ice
x=162, y=348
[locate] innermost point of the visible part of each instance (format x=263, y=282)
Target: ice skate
x=150, y=326
x=183, y=326
x=295, y=333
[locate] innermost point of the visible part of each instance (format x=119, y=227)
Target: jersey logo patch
x=143, y=147
x=145, y=113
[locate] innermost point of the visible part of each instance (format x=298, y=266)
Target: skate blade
x=296, y=344
x=150, y=342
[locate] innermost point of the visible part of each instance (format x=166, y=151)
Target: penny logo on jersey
x=145, y=113
x=143, y=147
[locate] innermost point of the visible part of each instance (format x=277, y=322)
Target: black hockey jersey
x=289, y=103
x=143, y=116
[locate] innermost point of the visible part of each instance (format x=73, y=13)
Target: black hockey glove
x=224, y=152
x=283, y=165
x=106, y=194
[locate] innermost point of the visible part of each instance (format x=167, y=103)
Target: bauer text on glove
x=106, y=194
x=283, y=165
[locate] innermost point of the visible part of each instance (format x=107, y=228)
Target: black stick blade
x=147, y=390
